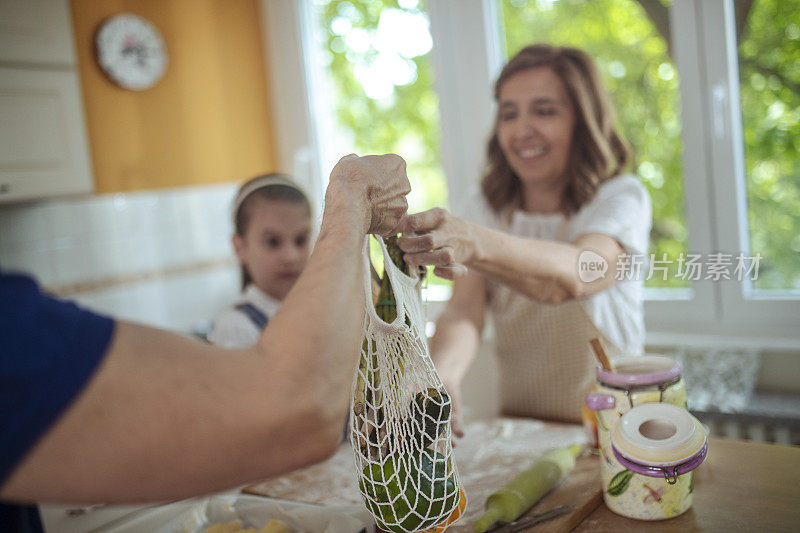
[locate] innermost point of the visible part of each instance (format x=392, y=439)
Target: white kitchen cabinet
x=43, y=144
x=36, y=31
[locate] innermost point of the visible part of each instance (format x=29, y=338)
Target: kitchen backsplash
x=162, y=258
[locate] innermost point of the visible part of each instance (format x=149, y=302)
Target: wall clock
x=131, y=52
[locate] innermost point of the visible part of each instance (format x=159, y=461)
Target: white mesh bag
x=400, y=424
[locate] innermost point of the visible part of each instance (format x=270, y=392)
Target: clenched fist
x=378, y=182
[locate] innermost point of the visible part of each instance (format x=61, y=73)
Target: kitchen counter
x=743, y=486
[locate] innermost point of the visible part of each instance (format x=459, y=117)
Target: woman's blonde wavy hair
x=598, y=151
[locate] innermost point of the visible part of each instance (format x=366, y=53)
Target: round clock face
x=131, y=52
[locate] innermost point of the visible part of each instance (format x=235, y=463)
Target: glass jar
x=657, y=446
x=641, y=381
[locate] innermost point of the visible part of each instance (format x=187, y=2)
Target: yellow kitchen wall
x=207, y=120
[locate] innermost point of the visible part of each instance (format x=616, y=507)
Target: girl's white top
x=233, y=328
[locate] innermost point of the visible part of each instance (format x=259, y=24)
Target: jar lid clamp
x=659, y=440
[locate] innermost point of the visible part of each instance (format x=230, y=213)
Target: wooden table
x=492, y=452
x=741, y=486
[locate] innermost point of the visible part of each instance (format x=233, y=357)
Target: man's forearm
x=325, y=311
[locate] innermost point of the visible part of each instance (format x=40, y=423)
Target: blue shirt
x=48, y=351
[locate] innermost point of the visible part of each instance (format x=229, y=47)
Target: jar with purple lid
x=641, y=406
x=634, y=381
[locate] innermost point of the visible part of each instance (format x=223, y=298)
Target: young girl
x=272, y=225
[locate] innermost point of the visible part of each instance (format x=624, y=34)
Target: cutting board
x=491, y=453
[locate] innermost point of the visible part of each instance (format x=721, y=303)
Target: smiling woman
x=554, y=194
x=634, y=61
x=545, y=99
x=536, y=100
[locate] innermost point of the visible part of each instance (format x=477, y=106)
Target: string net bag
x=400, y=424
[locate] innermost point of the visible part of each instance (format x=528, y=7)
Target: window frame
x=717, y=91
x=468, y=53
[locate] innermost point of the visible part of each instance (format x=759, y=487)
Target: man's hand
x=435, y=237
x=378, y=183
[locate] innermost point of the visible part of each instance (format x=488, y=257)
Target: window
x=375, y=59
x=706, y=92
x=724, y=141
x=722, y=166
x=768, y=36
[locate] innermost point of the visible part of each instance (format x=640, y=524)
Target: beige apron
x=545, y=361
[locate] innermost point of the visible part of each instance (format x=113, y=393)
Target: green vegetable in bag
x=431, y=416
x=428, y=491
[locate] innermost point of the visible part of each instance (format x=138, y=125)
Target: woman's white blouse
x=620, y=209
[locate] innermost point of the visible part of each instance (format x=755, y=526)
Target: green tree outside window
x=381, y=75
x=379, y=70
x=769, y=74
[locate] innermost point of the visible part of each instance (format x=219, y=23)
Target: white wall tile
x=64, y=224
x=38, y=263
x=72, y=265
x=98, y=238
x=173, y=302
x=24, y=228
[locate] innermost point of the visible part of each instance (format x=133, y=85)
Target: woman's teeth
x=532, y=152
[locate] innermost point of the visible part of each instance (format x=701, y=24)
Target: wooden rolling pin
x=519, y=494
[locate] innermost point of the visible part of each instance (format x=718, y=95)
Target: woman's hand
x=456, y=422
x=436, y=237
